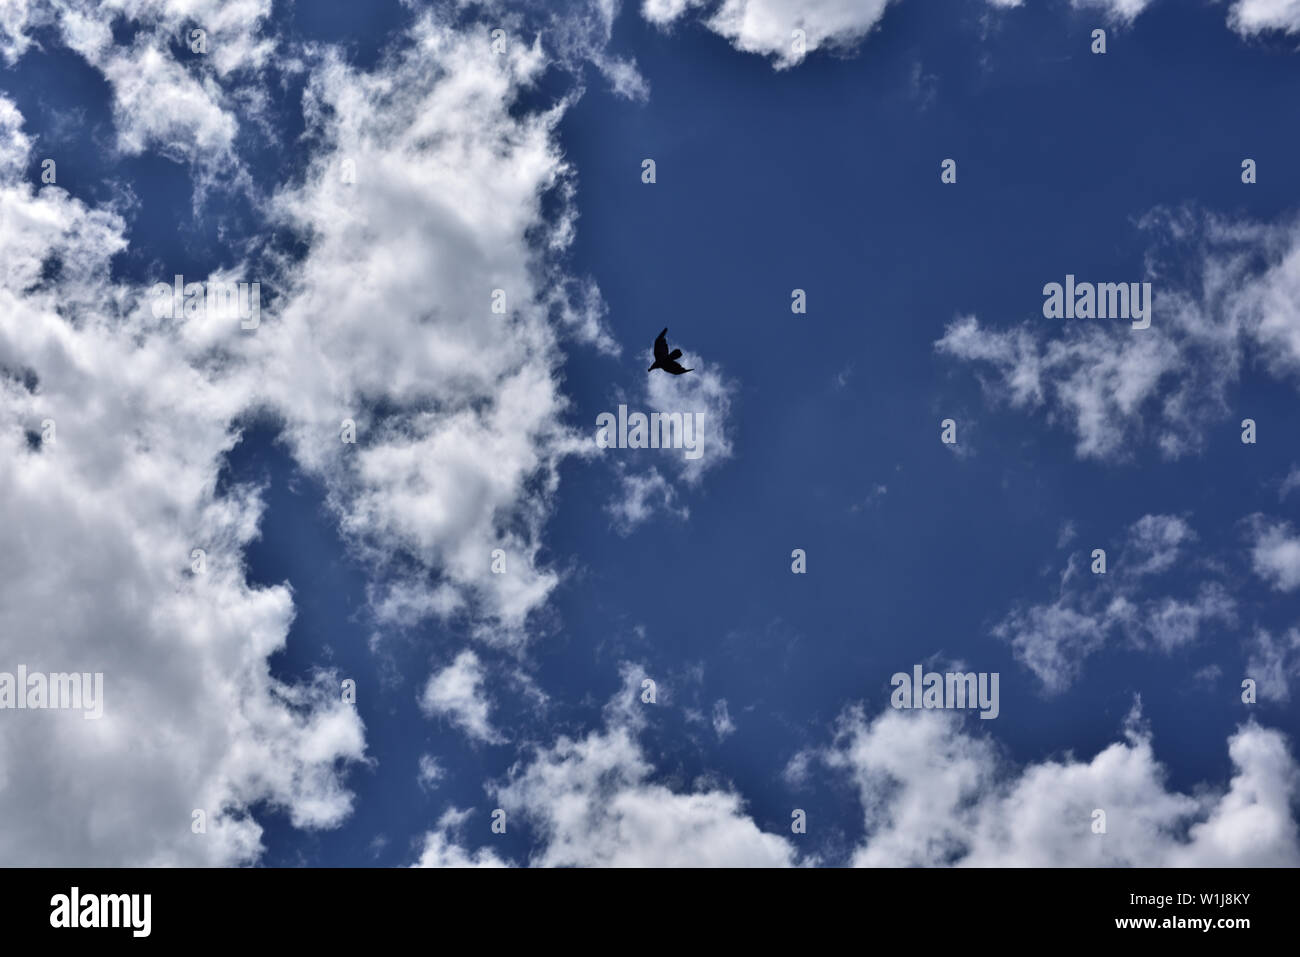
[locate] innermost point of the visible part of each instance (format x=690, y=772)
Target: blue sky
x=520, y=168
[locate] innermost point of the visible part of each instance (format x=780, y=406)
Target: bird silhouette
x=667, y=360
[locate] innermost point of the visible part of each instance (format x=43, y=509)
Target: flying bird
x=667, y=360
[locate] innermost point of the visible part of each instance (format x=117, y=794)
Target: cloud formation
x=934, y=795
x=593, y=803
x=108, y=468
x=1275, y=553
x=1117, y=388
x=457, y=691
x=1054, y=639
x=387, y=319
x=1252, y=17
x=767, y=27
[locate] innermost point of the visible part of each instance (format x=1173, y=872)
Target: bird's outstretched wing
x=661, y=346
x=675, y=354
x=675, y=367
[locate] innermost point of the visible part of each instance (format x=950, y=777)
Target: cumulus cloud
x=1087, y=378
x=385, y=318
x=664, y=12
x=1172, y=622
x=767, y=27
x=421, y=312
x=934, y=794
x=706, y=393
x=156, y=102
x=703, y=399
x=1275, y=553
x=16, y=19
x=1053, y=639
x=430, y=772
x=1273, y=661
x=1155, y=542
x=108, y=474
x=183, y=104
x=1117, y=388
x=1290, y=483
x=641, y=495
x=1119, y=11
x=440, y=848
x=457, y=691
x=592, y=803
x=723, y=725
x=1250, y=17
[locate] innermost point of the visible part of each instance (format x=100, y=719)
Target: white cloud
x=1275, y=553
x=641, y=495
x=392, y=304
x=664, y=12
x=1250, y=17
x=591, y=800
x=933, y=794
x=156, y=102
x=388, y=308
x=594, y=805
x=1121, y=11
x=705, y=392
x=109, y=513
x=441, y=850
x=583, y=31
x=16, y=18
x=431, y=772
x=1154, y=543
x=703, y=399
x=1116, y=387
x=1273, y=662
x=1088, y=377
x=184, y=105
x=766, y=26
x=1210, y=674
x=1172, y=622
x=457, y=691
x=722, y=723
x=1053, y=639
x=1290, y=483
